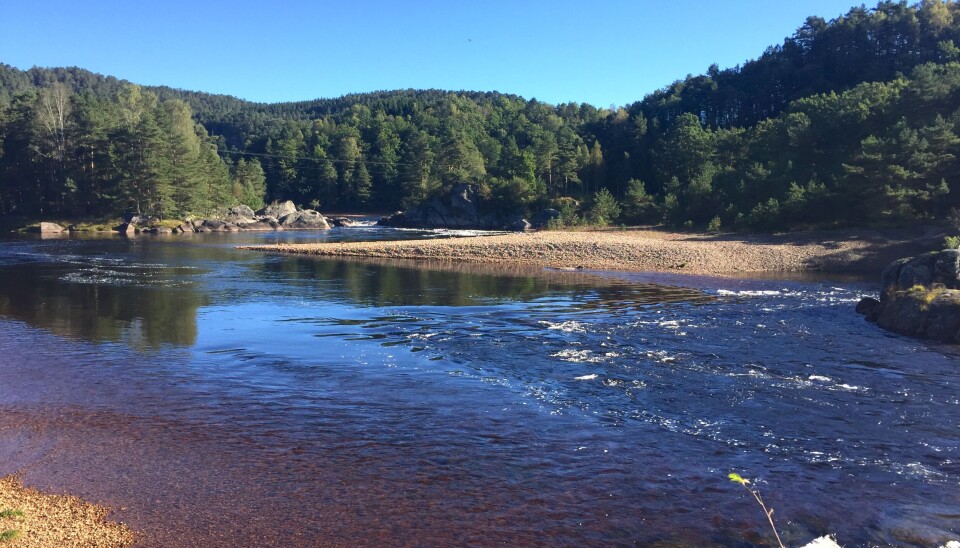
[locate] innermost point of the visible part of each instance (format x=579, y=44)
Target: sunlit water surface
x=221, y=397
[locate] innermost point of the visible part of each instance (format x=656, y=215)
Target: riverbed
x=222, y=397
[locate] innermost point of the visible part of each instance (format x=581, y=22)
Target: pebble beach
x=46, y=520
x=645, y=250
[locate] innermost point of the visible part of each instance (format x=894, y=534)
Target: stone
x=519, y=225
x=215, y=225
x=261, y=226
x=278, y=210
x=127, y=229
x=869, y=307
x=917, y=271
x=890, y=278
x=462, y=207
x=243, y=211
x=138, y=219
x=920, y=297
x=946, y=269
x=342, y=222
x=307, y=218
x=51, y=228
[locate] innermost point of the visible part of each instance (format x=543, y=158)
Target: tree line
x=81, y=154
x=851, y=121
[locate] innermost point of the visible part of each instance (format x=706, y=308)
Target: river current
x=223, y=397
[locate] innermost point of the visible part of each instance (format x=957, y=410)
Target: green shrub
x=604, y=208
x=714, y=225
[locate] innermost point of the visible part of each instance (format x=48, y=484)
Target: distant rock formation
x=920, y=297
x=276, y=216
x=50, y=228
x=460, y=208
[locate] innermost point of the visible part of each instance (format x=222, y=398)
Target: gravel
x=57, y=520
x=640, y=250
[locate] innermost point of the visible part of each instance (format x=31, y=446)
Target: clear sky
x=601, y=52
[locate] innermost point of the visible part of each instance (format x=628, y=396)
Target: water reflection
x=384, y=402
x=379, y=282
x=143, y=307
x=147, y=293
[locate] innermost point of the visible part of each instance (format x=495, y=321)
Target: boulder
x=917, y=271
x=461, y=207
x=262, y=226
x=127, y=229
x=307, y=218
x=138, y=219
x=187, y=227
x=869, y=307
x=946, y=269
x=278, y=210
x=51, y=228
x=163, y=230
x=241, y=210
x=519, y=225
x=240, y=215
x=214, y=225
x=920, y=297
x=890, y=277
x=342, y=222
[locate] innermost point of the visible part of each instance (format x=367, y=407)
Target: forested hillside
x=851, y=121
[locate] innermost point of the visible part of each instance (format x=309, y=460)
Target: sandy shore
x=650, y=250
x=56, y=520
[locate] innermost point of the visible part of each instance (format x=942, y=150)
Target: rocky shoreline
x=644, y=250
x=276, y=216
x=920, y=297
x=43, y=520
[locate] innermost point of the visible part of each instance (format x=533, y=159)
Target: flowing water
x=220, y=397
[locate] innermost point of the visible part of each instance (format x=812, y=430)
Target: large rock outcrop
x=920, y=297
x=276, y=216
x=278, y=210
x=307, y=218
x=460, y=208
x=50, y=228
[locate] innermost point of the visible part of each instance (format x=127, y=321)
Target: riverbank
x=43, y=520
x=650, y=250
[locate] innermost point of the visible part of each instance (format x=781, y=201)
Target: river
x=221, y=397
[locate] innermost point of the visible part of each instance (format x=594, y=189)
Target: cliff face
x=920, y=297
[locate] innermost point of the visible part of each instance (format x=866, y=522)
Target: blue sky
x=601, y=52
